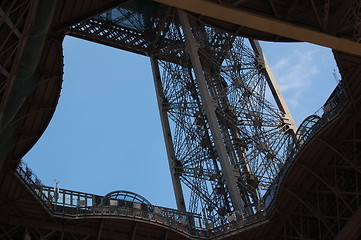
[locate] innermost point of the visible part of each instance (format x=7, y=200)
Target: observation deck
x=134, y=215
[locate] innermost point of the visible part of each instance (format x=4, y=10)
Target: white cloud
x=294, y=74
x=282, y=63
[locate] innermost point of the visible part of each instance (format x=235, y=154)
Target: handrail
x=76, y=204
x=33, y=182
x=69, y=203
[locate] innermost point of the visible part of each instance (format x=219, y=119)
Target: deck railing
x=69, y=203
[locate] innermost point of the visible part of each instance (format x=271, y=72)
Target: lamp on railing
x=56, y=190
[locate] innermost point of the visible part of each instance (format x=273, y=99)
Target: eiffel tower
x=239, y=165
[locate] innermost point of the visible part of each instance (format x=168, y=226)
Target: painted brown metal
x=244, y=18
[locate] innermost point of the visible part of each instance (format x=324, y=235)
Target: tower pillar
x=230, y=176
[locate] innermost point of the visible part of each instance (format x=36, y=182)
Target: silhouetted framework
x=239, y=165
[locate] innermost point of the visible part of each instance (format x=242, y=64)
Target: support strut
x=229, y=174
x=177, y=187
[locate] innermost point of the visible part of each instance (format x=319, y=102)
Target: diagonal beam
x=265, y=24
x=49, y=234
x=310, y=208
x=273, y=85
x=5, y=17
x=334, y=190
x=8, y=232
x=349, y=161
x=351, y=229
x=177, y=187
x=3, y=71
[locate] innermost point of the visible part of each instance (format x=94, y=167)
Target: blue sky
x=106, y=133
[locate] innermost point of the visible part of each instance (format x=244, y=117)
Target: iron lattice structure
x=226, y=137
x=254, y=132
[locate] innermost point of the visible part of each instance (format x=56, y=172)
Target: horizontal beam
x=265, y=24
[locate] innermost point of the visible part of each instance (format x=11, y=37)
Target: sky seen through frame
x=106, y=133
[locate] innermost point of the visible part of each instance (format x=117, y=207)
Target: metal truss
x=254, y=133
x=127, y=27
x=16, y=18
x=108, y=33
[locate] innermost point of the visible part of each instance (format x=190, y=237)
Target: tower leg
x=272, y=83
x=229, y=174
x=167, y=136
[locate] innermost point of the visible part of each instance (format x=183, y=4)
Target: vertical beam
x=100, y=229
x=132, y=237
x=27, y=234
x=272, y=83
x=229, y=173
x=166, y=234
x=177, y=187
